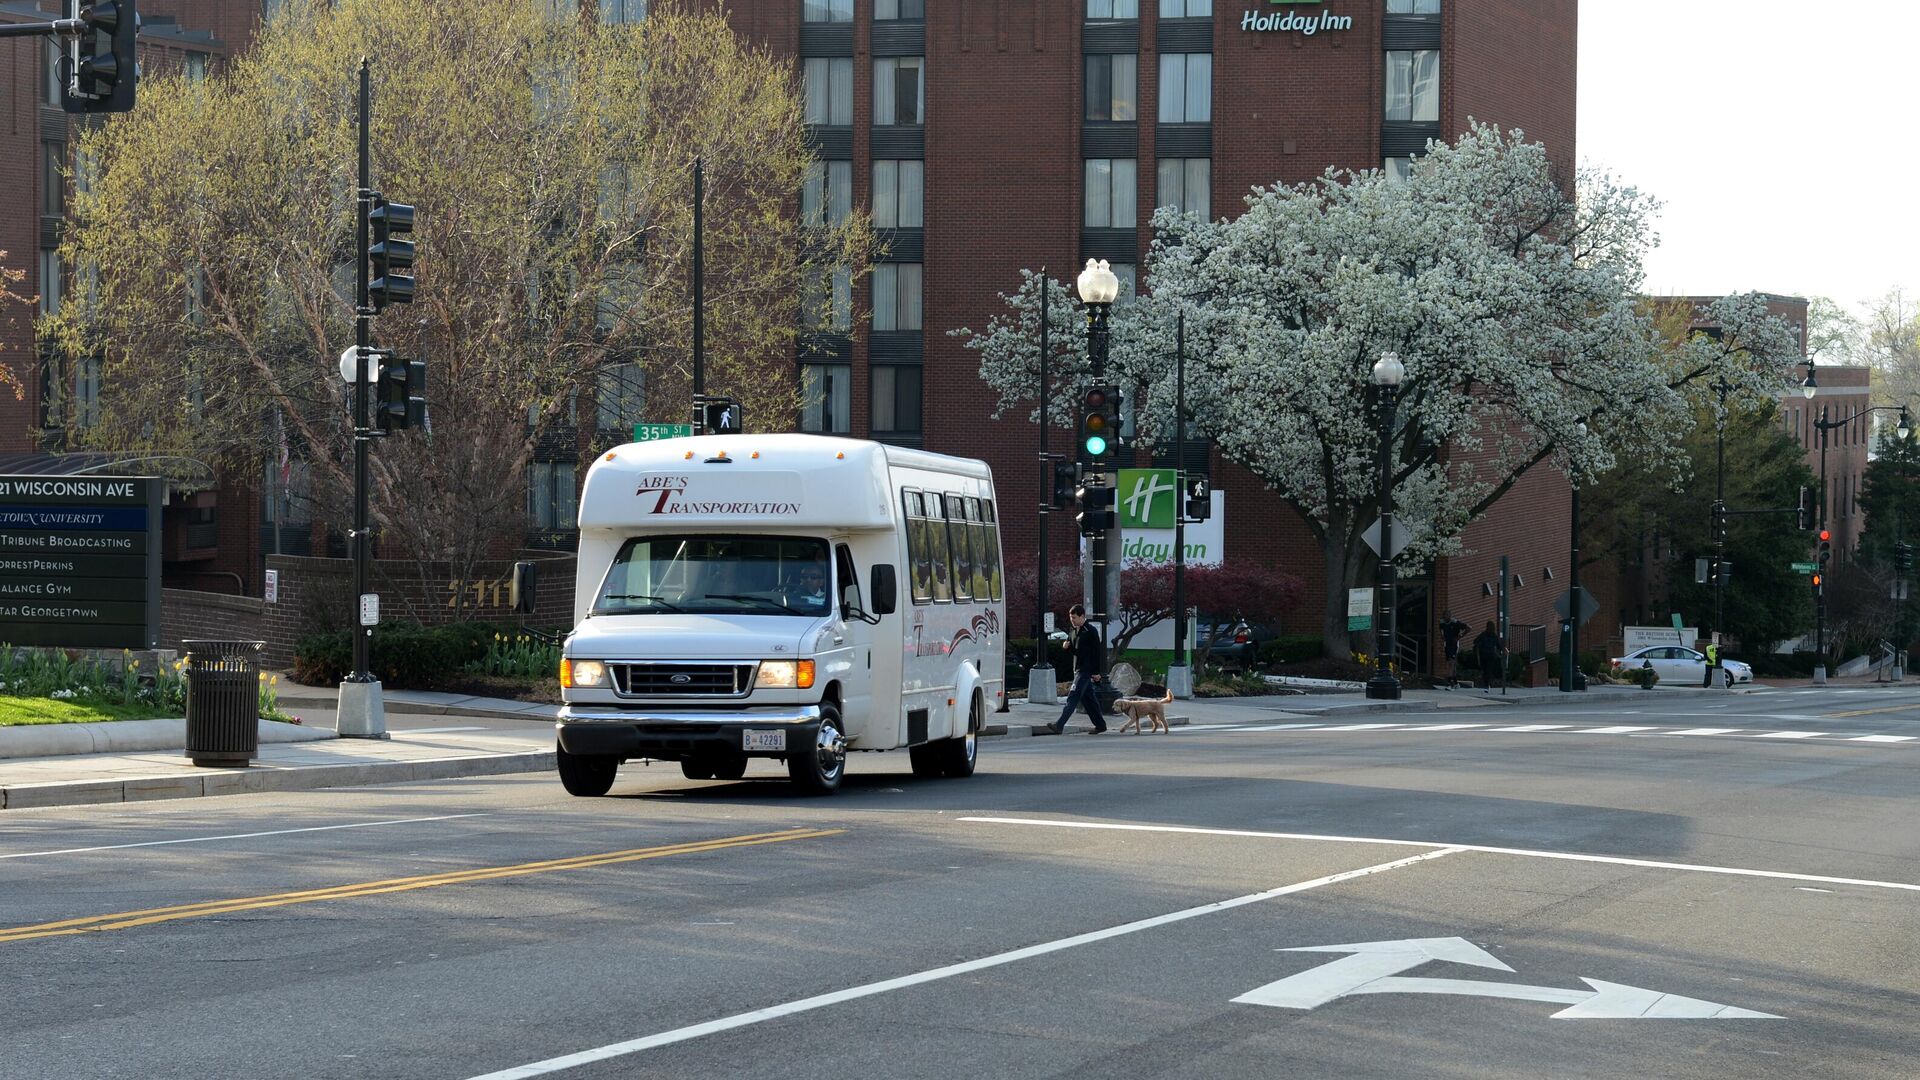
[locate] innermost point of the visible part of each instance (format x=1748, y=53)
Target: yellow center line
x=1870, y=712
x=127, y=919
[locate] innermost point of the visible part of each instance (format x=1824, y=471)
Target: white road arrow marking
x=1375, y=966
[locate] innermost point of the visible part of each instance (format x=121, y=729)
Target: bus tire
x=731, y=767
x=696, y=769
x=817, y=770
x=958, y=756
x=586, y=775
x=927, y=759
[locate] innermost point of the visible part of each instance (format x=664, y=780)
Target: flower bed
x=56, y=687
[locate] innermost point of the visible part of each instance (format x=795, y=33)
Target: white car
x=1679, y=666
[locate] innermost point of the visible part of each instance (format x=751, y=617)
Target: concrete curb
x=424, y=708
x=207, y=782
x=127, y=737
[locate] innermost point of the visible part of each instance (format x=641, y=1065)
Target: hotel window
x=826, y=399
x=829, y=91
x=887, y=10
x=896, y=400
x=1189, y=9
x=1184, y=183
x=53, y=185
x=622, y=398
x=623, y=11
x=899, y=85
x=1397, y=168
x=826, y=11
x=550, y=496
x=49, y=280
x=826, y=300
x=1413, y=7
x=1186, y=88
x=826, y=195
x=899, y=194
x=896, y=296
x=1110, y=193
x=1413, y=85
x=86, y=392
x=1113, y=9
x=1112, y=86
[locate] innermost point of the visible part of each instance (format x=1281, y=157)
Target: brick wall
x=186, y=614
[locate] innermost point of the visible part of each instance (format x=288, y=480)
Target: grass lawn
x=20, y=711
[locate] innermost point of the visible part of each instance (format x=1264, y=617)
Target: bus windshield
x=717, y=575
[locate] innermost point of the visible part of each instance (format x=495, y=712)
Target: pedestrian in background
x=1451, y=631
x=1486, y=650
x=1089, y=661
x=1713, y=661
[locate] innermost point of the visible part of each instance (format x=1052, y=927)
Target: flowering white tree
x=1514, y=305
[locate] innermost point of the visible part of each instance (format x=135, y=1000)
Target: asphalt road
x=1624, y=897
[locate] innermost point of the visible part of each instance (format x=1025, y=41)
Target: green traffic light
x=1096, y=445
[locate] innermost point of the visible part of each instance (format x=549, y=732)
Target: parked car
x=1239, y=644
x=1679, y=666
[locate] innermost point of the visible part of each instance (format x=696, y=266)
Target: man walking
x=1089, y=660
x=1451, y=630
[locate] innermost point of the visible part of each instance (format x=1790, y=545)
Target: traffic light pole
x=699, y=278
x=1097, y=360
x=362, y=714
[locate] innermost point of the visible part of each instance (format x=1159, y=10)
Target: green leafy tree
x=550, y=157
x=1890, y=497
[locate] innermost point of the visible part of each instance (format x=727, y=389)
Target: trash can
x=223, y=702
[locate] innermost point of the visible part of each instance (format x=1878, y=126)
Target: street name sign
x=1374, y=967
x=651, y=432
x=1803, y=568
x=80, y=561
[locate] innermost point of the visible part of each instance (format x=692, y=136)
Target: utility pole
x=362, y=713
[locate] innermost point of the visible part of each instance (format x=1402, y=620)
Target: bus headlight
x=784, y=675
x=582, y=673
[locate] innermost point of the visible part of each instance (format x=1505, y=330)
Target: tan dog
x=1153, y=710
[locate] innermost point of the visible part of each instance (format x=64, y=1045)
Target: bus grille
x=682, y=680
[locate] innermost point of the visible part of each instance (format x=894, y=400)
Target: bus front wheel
x=816, y=770
x=586, y=775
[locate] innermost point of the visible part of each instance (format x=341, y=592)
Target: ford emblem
x=681, y=680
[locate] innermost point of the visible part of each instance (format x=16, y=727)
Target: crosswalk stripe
x=1882, y=738
x=1362, y=727
x=1708, y=731
x=1790, y=734
x=1534, y=727
x=1447, y=727
x=1611, y=730
x=1281, y=727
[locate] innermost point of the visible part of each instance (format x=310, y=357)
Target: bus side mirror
x=520, y=589
x=885, y=589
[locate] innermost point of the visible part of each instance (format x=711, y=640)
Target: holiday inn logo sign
x=1298, y=22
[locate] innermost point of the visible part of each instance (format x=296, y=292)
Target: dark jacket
x=1089, y=655
x=1487, y=647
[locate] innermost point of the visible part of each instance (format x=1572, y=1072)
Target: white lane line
x=1610, y=730
x=1790, y=734
x=1361, y=727
x=241, y=836
x=1447, y=727
x=1707, y=731
x=1882, y=738
x=821, y=1001
x=1533, y=727
x=1282, y=727
x=1530, y=853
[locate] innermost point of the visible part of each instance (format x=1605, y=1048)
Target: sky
x=1775, y=133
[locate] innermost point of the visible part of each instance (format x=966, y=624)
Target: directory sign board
x=80, y=561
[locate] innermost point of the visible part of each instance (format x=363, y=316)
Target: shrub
x=323, y=659
x=1290, y=649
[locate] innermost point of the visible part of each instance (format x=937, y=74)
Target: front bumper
x=677, y=736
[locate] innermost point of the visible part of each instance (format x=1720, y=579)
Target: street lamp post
x=1040, y=678
x=1099, y=287
x=1179, y=674
x=1572, y=679
x=1388, y=372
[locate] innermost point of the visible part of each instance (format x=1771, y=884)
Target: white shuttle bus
x=781, y=596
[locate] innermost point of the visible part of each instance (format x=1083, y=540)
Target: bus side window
x=849, y=580
x=937, y=534
x=919, y=556
x=993, y=546
x=982, y=558
x=962, y=545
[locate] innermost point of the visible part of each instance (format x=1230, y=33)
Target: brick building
x=990, y=137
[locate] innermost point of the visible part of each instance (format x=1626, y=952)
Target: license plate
x=751, y=740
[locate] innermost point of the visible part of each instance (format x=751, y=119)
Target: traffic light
x=1096, y=509
x=1903, y=558
x=1816, y=583
x=391, y=257
x=1825, y=551
x=1099, y=425
x=402, y=401
x=1199, y=499
x=1066, y=478
x=1719, y=524
x=1804, y=515
x=104, y=58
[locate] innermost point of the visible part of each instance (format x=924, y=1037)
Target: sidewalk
x=328, y=761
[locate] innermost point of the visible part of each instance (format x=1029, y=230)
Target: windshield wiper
x=775, y=604
x=638, y=596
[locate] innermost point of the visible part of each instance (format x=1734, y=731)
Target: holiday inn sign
x=1306, y=23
